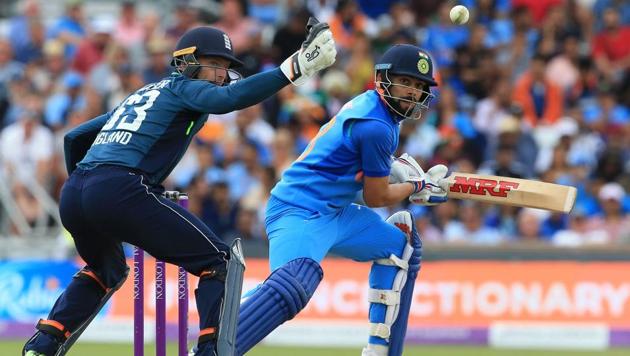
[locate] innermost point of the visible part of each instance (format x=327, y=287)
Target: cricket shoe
x=47, y=344
x=33, y=353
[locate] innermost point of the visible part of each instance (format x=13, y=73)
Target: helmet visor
x=189, y=65
x=409, y=107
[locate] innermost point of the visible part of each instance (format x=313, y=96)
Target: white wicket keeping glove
x=433, y=193
x=318, y=52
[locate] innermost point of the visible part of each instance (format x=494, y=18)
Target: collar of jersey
x=394, y=117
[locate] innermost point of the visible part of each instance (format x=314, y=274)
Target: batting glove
x=433, y=193
x=317, y=52
x=427, y=185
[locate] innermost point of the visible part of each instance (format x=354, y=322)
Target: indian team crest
x=423, y=63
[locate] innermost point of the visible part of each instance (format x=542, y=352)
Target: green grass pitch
x=92, y=349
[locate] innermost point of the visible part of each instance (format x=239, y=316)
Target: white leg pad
x=391, y=298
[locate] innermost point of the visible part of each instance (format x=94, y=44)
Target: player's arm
x=375, y=140
x=206, y=97
x=317, y=52
x=377, y=191
x=77, y=142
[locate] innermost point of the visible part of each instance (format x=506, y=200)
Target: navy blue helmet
x=411, y=61
x=203, y=41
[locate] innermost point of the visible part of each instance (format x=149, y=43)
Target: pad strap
x=53, y=328
x=383, y=296
x=214, y=273
x=207, y=334
x=379, y=329
x=393, y=260
x=91, y=276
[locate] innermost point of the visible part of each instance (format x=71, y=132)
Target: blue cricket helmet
x=206, y=41
x=405, y=59
x=411, y=61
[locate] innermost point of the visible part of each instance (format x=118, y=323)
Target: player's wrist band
x=417, y=186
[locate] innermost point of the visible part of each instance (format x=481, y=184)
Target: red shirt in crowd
x=614, y=45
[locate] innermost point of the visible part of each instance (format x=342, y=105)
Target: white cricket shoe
x=375, y=350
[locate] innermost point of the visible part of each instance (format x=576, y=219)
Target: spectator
x=563, y=69
x=504, y=164
x=91, y=50
x=244, y=227
x=503, y=218
x=219, y=212
x=468, y=73
x=528, y=224
x=600, y=7
x=443, y=37
x=578, y=233
x=258, y=195
x=538, y=8
x=426, y=229
x=334, y=85
x=283, y=151
x=540, y=99
x=33, y=50
x=129, y=31
x=613, y=221
x=158, y=62
x=47, y=78
x=289, y=37
x=186, y=17
x=59, y=106
x=243, y=173
x=239, y=26
x=9, y=70
x=69, y=29
x=611, y=48
x=26, y=149
x=360, y=65
x=493, y=109
x=20, y=28
x=470, y=228
x=348, y=21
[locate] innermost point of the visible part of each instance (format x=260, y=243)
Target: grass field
x=14, y=348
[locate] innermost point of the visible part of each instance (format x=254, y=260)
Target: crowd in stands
x=534, y=89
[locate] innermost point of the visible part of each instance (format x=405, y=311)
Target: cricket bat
x=510, y=191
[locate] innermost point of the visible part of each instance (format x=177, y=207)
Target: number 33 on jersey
x=152, y=122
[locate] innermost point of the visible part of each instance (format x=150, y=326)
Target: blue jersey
x=360, y=140
x=152, y=128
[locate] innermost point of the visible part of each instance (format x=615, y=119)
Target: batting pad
x=279, y=298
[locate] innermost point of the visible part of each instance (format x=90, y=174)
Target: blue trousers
x=354, y=232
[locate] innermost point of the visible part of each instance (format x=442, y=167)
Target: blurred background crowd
x=528, y=88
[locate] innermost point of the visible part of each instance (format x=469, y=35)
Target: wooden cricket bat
x=511, y=191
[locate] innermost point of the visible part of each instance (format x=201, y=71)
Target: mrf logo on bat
x=480, y=186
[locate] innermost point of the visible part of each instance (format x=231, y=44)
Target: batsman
x=310, y=211
x=117, y=162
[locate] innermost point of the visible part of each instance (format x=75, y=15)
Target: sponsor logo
x=28, y=290
x=479, y=186
x=313, y=54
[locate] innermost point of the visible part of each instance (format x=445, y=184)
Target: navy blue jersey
x=152, y=128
